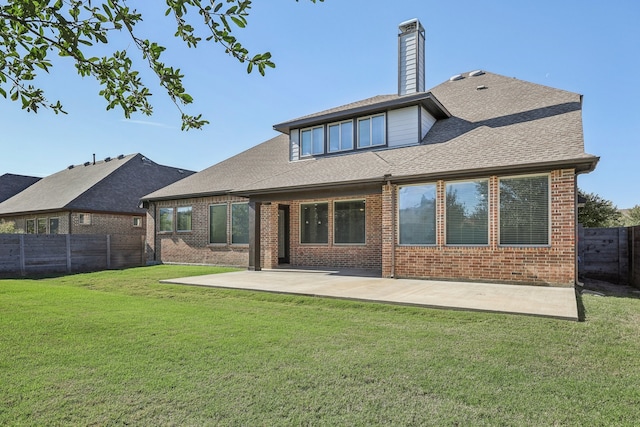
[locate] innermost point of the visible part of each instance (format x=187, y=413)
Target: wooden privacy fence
x=32, y=254
x=611, y=254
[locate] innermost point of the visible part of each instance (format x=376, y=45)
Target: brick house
x=474, y=179
x=93, y=198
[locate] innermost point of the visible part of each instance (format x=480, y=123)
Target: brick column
x=388, y=230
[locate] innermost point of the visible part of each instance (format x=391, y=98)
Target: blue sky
x=341, y=51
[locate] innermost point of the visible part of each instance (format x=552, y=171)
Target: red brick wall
x=367, y=256
x=553, y=265
x=193, y=247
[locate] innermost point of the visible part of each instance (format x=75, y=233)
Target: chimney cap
x=410, y=25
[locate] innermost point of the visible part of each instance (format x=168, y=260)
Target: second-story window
x=371, y=131
x=341, y=136
x=312, y=141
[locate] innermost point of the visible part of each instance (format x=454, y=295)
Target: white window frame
x=460, y=181
x=84, y=218
x=35, y=226
x=397, y=213
x=46, y=226
x=311, y=129
x=384, y=131
x=49, y=224
x=137, y=221
x=549, y=210
x=339, y=125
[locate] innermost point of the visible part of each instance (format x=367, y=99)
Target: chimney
x=410, y=57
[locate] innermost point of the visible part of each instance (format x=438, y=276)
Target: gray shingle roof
x=106, y=186
x=11, y=184
x=498, y=124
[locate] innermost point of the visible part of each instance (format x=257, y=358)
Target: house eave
x=186, y=196
x=581, y=165
x=425, y=99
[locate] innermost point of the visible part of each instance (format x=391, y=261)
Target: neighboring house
x=472, y=180
x=11, y=184
x=94, y=198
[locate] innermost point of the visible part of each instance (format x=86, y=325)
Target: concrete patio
x=559, y=303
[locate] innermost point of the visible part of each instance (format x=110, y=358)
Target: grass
x=118, y=348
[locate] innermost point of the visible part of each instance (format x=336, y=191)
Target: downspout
x=393, y=228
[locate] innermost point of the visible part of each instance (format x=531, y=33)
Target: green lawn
x=118, y=348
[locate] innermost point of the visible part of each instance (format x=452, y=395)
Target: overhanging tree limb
x=31, y=30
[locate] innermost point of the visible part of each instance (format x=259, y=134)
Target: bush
x=8, y=227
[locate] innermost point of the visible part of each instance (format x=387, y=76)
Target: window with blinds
x=524, y=211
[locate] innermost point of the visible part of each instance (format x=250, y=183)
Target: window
x=417, y=214
x=524, y=210
x=183, y=218
x=218, y=224
x=54, y=225
x=137, y=221
x=349, y=222
x=42, y=225
x=341, y=136
x=166, y=219
x=31, y=226
x=371, y=131
x=312, y=141
x=240, y=223
x=467, y=213
x=314, y=223
x=84, y=219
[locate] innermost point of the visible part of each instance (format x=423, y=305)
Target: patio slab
x=559, y=303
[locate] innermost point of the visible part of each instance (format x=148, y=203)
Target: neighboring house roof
x=497, y=124
x=11, y=184
x=111, y=185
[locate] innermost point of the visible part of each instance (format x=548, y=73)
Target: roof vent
x=481, y=87
x=476, y=73
x=87, y=163
x=180, y=171
x=70, y=167
x=456, y=77
x=121, y=156
x=107, y=159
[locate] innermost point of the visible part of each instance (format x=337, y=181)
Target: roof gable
x=111, y=185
